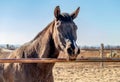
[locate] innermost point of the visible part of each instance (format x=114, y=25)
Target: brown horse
x=59, y=35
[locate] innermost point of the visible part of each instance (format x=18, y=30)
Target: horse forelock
x=65, y=17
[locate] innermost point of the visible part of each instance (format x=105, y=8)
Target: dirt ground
x=78, y=72
x=87, y=71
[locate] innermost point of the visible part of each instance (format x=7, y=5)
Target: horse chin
x=72, y=58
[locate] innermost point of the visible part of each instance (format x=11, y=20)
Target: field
x=76, y=72
x=85, y=71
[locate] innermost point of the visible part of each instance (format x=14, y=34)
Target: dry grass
x=87, y=72
x=4, y=52
x=77, y=72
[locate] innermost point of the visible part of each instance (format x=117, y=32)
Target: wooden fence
x=51, y=60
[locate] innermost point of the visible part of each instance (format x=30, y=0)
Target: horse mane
x=33, y=46
x=43, y=31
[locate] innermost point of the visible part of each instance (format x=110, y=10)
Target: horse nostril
x=78, y=51
x=70, y=51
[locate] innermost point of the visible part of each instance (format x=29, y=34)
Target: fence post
x=111, y=55
x=101, y=53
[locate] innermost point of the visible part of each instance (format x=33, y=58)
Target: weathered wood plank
x=51, y=60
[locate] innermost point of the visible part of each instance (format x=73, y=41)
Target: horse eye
x=58, y=23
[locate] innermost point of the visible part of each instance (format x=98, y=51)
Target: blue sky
x=98, y=20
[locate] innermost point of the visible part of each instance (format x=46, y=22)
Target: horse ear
x=57, y=12
x=75, y=13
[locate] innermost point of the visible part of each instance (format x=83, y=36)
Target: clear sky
x=98, y=20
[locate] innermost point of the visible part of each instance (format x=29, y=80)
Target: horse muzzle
x=73, y=53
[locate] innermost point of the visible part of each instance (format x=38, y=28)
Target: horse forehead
x=68, y=29
x=68, y=25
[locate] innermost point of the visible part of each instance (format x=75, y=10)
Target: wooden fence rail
x=51, y=60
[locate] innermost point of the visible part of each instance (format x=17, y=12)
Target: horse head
x=65, y=32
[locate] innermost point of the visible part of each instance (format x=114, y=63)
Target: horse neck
x=45, y=45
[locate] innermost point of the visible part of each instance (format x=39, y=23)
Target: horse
x=59, y=35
